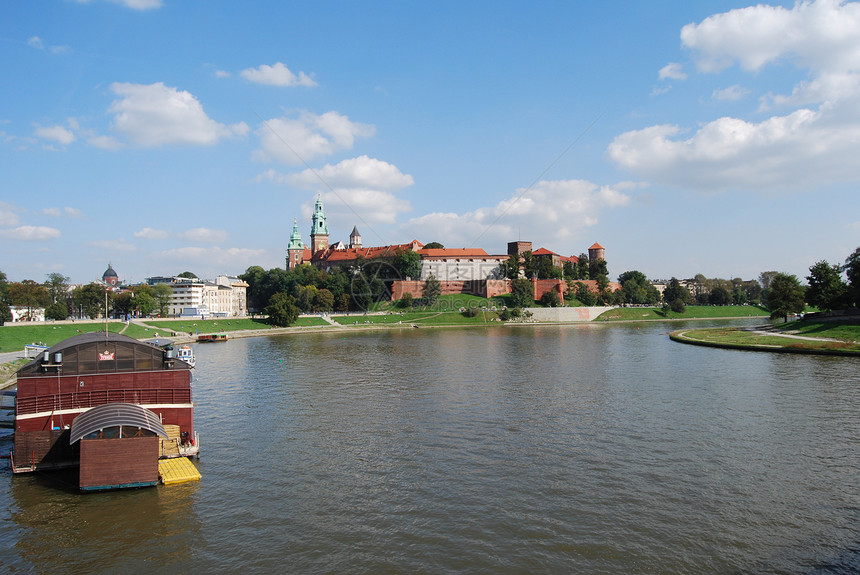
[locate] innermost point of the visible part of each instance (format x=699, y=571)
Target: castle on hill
x=460, y=270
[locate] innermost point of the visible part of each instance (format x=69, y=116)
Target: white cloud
x=822, y=35
x=7, y=216
x=816, y=139
x=277, y=75
x=140, y=4
x=55, y=133
x=359, y=189
x=360, y=206
x=673, y=71
x=104, y=142
x=731, y=94
x=293, y=141
x=204, y=235
x=550, y=213
x=222, y=74
x=151, y=115
x=360, y=172
x=73, y=213
x=802, y=150
x=133, y=4
x=31, y=233
x=39, y=44
x=151, y=234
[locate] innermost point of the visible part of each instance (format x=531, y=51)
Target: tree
x=582, y=267
x=766, y=278
x=511, y=267
x=675, y=291
x=550, y=299
x=324, y=300
x=57, y=311
x=162, y=294
x=90, y=299
x=826, y=289
x=282, y=310
x=852, y=271
x=568, y=270
x=144, y=300
x=187, y=275
x=124, y=303
x=29, y=294
x=5, y=313
x=432, y=289
x=546, y=269
x=58, y=287
x=406, y=300
x=522, y=292
x=531, y=264
x=408, y=264
x=4, y=290
x=597, y=269
x=434, y=246
x=719, y=296
x=305, y=298
x=785, y=296
x=636, y=289
x=585, y=296
x=343, y=302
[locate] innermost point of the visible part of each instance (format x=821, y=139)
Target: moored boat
x=209, y=337
x=186, y=354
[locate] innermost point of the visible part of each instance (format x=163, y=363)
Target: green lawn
x=847, y=334
x=195, y=326
x=692, y=312
x=14, y=338
x=428, y=318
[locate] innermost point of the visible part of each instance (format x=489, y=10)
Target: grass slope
x=14, y=338
x=692, y=312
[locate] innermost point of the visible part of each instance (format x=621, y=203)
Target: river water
x=543, y=449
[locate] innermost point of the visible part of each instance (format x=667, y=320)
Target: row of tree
x=60, y=301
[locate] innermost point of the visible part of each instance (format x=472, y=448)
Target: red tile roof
x=596, y=246
x=333, y=256
x=543, y=252
x=453, y=253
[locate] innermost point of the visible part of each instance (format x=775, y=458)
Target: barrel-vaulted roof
x=115, y=415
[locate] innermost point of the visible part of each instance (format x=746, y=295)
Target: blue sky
x=161, y=136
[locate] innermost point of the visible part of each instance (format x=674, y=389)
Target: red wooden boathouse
x=87, y=371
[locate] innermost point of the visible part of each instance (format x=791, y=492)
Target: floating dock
x=177, y=470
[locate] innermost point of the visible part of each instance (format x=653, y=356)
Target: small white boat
x=186, y=354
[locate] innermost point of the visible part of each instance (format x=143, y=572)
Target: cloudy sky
x=713, y=137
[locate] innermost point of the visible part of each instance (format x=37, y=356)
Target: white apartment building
x=224, y=297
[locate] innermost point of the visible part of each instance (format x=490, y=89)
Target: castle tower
x=319, y=229
x=596, y=252
x=295, y=249
x=355, y=238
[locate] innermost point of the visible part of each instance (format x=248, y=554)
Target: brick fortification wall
x=489, y=288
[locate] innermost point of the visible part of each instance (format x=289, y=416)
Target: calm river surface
x=553, y=449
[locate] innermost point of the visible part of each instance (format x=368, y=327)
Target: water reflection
x=553, y=449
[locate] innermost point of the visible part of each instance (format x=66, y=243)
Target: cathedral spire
x=319, y=229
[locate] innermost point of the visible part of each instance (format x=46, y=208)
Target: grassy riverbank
x=832, y=337
x=692, y=312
